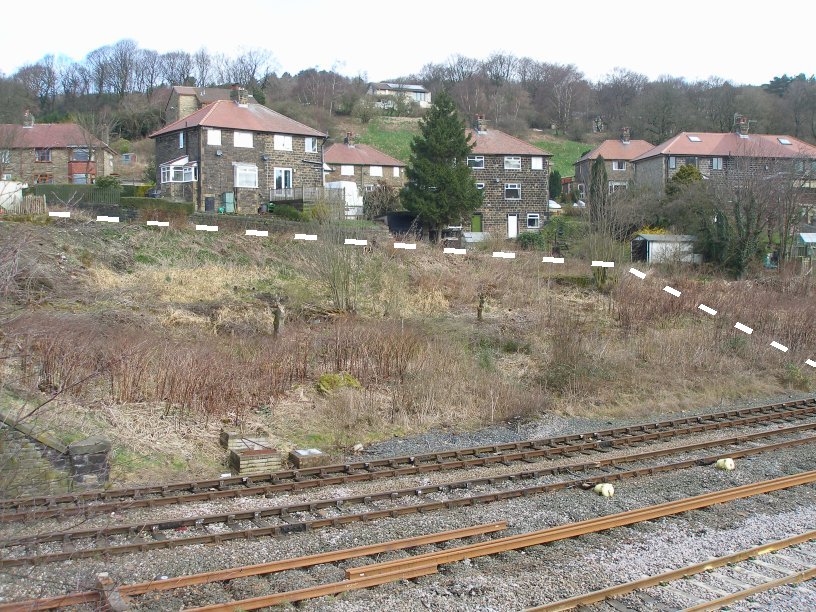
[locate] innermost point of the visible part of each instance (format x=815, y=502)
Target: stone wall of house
x=23, y=164
x=496, y=208
x=649, y=173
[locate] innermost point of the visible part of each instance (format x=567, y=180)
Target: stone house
x=238, y=155
x=363, y=165
x=184, y=101
x=727, y=155
x=618, y=156
x=513, y=176
x=412, y=93
x=60, y=153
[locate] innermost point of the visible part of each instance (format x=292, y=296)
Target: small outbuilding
x=665, y=248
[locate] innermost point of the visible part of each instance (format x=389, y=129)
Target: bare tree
x=176, y=67
x=147, y=71
x=202, y=67
x=98, y=63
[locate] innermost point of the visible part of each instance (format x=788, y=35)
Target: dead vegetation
x=183, y=326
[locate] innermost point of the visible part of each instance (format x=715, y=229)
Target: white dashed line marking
x=305, y=236
x=780, y=347
x=356, y=242
x=744, y=328
x=671, y=290
x=503, y=255
x=638, y=273
x=705, y=308
x=65, y=215
x=603, y=264
x=408, y=246
x=452, y=251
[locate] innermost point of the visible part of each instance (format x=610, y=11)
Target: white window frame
x=5, y=156
x=617, y=186
x=480, y=186
x=672, y=162
x=242, y=140
x=531, y=217
x=475, y=162
x=179, y=173
x=283, y=172
x=84, y=179
x=282, y=142
x=6, y=176
x=181, y=140
x=42, y=155
x=512, y=187
x=396, y=172
x=618, y=165
x=536, y=163
x=346, y=170
x=214, y=138
x=716, y=163
x=512, y=162
x=368, y=187
x=246, y=175
x=310, y=144
x=88, y=155
x=127, y=158
x=375, y=171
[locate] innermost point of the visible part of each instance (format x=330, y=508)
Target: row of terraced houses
x=222, y=150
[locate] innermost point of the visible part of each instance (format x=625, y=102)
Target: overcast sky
x=747, y=42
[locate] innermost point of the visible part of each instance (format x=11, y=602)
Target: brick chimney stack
x=238, y=94
x=28, y=119
x=348, y=139
x=479, y=123
x=625, y=135
x=741, y=124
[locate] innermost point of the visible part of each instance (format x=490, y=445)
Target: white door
x=283, y=178
x=512, y=226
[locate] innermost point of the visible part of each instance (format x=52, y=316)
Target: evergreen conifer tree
x=440, y=187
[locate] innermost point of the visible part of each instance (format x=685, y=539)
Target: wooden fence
x=28, y=205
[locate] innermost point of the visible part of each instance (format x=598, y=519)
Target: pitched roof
x=250, y=117
x=617, y=149
x=731, y=144
x=399, y=86
x=494, y=142
x=47, y=136
x=667, y=237
x=358, y=155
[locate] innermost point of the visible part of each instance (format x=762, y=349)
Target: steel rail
x=769, y=412
x=672, y=575
x=298, y=485
x=136, y=530
x=588, y=526
x=717, y=604
x=427, y=564
x=142, y=588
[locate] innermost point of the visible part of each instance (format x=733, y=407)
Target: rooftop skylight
x=784, y=141
x=695, y=138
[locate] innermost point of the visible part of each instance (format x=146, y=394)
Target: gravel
x=510, y=581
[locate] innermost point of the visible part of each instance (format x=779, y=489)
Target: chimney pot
x=625, y=135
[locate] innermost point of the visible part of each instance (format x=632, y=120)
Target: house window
x=536, y=163
x=369, y=187
x=6, y=177
x=691, y=161
x=127, y=158
x=183, y=173
x=181, y=140
x=282, y=142
x=512, y=191
x=243, y=140
x=214, y=138
x=40, y=179
x=512, y=163
x=310, y=145
x=617, y=186
x=79, y=179
x=396, y=171
x=42, y=155
x=346, y=170
x=80, y=155
x=618, y=164
x=246, y=175
x=533, y=220
x=716, y=163
x=5, y=156
x=672, y=162
x=479, y=186
x=475, y=161
x=375, y=170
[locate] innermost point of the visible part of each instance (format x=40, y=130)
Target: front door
x=476, y=223
x=512, y=226
x=283, y=178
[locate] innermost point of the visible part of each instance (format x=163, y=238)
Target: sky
x=746, y=42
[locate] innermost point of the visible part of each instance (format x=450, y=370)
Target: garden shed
x=664, y=248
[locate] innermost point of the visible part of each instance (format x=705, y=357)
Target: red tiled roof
x=46, y=136
x=731, y=144
x=250, y=117
x=494, y=142
x=358, y=155
x=617, y=149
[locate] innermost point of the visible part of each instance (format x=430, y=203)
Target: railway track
x=115, y=500
x=751, y=566
x=123, y=539
x=428, y=563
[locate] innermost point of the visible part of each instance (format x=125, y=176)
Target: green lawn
x=564, y=154
x=392, y=137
